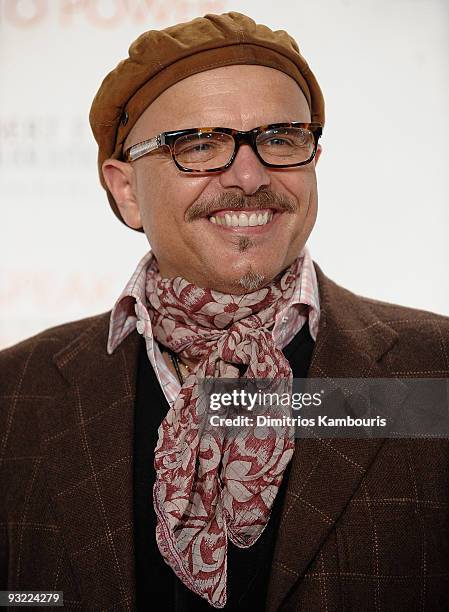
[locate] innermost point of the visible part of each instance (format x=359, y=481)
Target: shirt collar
x=123, y=316
x=132, y=300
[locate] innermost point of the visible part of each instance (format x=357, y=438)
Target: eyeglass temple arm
x=141, y=149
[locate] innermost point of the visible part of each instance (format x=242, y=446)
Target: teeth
x=242, y=219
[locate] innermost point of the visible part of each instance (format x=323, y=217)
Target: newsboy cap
x=160, y=58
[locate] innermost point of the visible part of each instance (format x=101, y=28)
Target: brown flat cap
x=161, y=58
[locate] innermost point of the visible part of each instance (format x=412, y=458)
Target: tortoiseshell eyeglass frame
x=249, y=137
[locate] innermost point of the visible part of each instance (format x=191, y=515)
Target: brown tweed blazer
x=365, y=524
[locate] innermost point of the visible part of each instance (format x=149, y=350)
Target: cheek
x=300, y=185
x=164, y=194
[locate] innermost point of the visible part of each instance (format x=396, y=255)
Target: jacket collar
x=88, y=434
x=325, y=473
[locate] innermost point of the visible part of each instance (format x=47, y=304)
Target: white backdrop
x=383, y=177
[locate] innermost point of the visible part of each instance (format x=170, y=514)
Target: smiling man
x=208, y=138
x=254, y=217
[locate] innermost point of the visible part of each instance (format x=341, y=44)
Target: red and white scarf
x=210, y=487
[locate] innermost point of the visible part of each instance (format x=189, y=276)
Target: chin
x=251, y=278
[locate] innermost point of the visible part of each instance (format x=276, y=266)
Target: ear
x=317, y=154
x=120, y=179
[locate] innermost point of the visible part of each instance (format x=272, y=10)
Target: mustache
x=238, y=201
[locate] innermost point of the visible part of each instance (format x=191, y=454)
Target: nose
x=246, y=172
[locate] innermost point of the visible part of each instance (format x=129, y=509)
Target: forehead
x=240, y=97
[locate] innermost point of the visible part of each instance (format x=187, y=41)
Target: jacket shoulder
x=34, y=355
x=405, y=317
x=410, y=341
x=422, y=347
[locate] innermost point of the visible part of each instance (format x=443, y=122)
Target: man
x=208, y=140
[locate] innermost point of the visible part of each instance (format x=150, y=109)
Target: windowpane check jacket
x=364, y=524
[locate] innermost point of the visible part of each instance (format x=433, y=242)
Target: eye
x=285, y=145
x=285, y=138
x=277, y=142
x=202, y=147
x=199, y=147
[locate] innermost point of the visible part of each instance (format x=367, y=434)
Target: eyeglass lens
x=277, y=146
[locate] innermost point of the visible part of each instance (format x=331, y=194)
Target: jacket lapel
x=325, y=473
x=88, y=447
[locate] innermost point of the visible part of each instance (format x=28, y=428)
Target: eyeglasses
x=279, y=145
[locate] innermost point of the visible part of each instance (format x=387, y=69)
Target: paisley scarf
x=210, y=487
